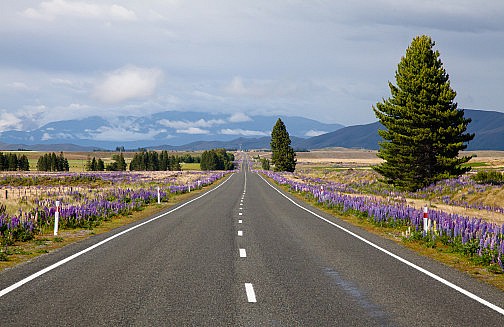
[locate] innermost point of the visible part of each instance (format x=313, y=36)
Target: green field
x=190, y=166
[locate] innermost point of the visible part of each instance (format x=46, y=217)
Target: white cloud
x=192, y=130
x=20, y=86
x=49, y=10
x=244, y=132
x=239, y=117
x=106, y=133
x=259, y=88
x=47, y=136
x=9, y=121
x=313, y=132
x=127, y=83
x=207, y=96
x=184, y=124
x=61, y=81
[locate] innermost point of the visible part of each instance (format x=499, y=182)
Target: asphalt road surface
x=243, y=254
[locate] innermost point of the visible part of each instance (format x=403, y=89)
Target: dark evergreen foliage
x=13, y=162
x=119, y=164
x=154, y=161
x=53, y=162
x=283, y=156
x=95, y=165
x=265, y=163
x=424, y=129
x=217, y=159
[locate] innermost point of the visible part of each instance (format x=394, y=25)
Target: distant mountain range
x=169, y=129
x=199, y=131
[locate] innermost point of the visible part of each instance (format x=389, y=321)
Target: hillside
x=487, y=125
x=170, y=128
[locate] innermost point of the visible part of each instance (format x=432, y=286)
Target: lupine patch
x=472, y=236
x=86, y=199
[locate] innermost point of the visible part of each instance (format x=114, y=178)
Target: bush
x=489, y=177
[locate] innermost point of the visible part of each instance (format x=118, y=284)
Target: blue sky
x=326, y=60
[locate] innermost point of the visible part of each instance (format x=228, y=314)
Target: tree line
x=53, y=162
x=217, y=159
x=13, y=162
x=154, y=161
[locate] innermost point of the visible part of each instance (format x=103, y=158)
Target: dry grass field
x=78, y=160
x=360, y=158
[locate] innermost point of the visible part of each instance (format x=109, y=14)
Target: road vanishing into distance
x=242, y=254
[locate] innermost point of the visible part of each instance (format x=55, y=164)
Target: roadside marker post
x=158, y=196
x=56, y=218
x=425, y=220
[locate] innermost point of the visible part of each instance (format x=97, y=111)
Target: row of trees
x=217, y=159
x=95, y=164
x=53, y=162
x=13, y=162
x=118, y=163
x=152, y=161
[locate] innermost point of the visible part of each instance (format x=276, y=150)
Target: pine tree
x=23, y=163
x=283, y=156
x=94, y=164
x=164, y=161
x=100, y=165
x=3, y=161
x=424, y=129
x=89, y=165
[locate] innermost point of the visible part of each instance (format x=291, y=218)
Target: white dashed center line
x=240, y=233
x=240, y=221
x=243, y=253
x=250, y=293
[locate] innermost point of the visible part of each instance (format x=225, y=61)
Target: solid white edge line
x=67, y=259
x=395, y=256
x=249, y=289
x=243, y=253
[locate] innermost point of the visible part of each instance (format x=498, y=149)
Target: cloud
x=127, y=83
x=184, y=124
x=192, y=130
x=49, y=10
x=258, y=88
x=106, y=133
x=239, y=117
x=9, y=121
x=244, y=132
x=47, y=136
x=313, y=132
x=19, y=86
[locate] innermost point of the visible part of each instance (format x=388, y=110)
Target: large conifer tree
x=424, y=129
x=282, y=154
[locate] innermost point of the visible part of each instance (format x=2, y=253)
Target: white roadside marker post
x=158, y=196
x=56, y=218
x=425, y=220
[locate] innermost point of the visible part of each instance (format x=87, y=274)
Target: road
x=242, y=255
